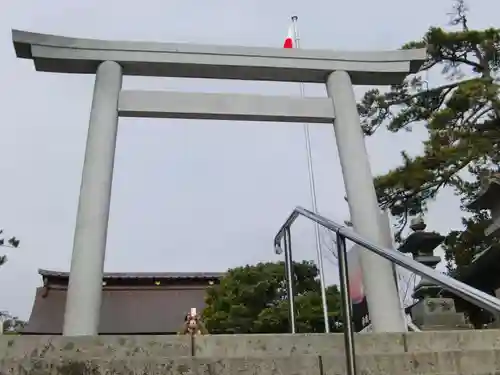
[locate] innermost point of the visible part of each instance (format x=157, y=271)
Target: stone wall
x=425, y=353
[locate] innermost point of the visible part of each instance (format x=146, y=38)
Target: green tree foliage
x=253, y=299
x=462, y=118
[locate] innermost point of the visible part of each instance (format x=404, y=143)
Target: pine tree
x=462, y=118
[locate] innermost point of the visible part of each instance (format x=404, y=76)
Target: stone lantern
x=431, y=311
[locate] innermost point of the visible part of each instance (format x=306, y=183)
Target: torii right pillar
x=382, y=294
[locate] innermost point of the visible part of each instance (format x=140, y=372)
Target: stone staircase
x=424, y=353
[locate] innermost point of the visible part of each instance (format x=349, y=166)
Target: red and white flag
x=290, y=38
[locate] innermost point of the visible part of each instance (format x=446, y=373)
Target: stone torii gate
x=110, y=60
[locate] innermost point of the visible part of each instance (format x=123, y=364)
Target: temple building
x=139, y=303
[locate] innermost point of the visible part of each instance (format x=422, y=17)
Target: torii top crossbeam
x=59, y=54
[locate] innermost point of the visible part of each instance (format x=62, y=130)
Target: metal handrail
x=459, y=288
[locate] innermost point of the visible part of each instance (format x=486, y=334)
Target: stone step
x=98, y=346
x=455, y=362
x=333, y=344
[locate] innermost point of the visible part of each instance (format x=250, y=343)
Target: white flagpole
x=312, y=188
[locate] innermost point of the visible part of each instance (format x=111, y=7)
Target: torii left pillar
x=83, y=302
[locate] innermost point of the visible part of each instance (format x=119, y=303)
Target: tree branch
x=436, y=90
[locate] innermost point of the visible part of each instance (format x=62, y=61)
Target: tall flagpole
x=312, y=188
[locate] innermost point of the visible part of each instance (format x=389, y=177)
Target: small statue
x=193, y=325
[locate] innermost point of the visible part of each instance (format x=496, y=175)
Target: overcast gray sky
x=187, y=196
